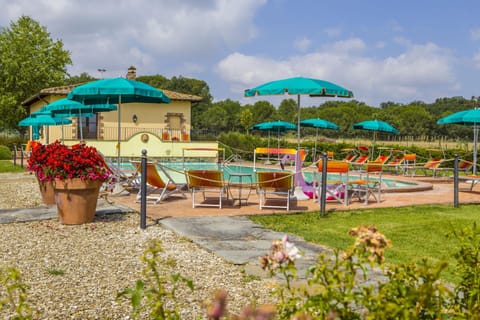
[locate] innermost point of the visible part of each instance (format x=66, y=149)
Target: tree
x=217, y=118
x=246, y=119
x=232, y=109
x=262, y=111
x=82, y=78
x=29, y=61
x=287, y=111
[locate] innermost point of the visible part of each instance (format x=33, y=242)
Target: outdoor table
x=235, y=180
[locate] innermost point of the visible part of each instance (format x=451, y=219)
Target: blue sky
x=382, y=50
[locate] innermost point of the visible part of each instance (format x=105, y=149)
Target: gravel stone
x=76, y=272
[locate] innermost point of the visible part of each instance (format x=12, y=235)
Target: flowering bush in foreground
x=337, y=287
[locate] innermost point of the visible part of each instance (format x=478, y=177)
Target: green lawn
x=8, y=166
x=415, y=232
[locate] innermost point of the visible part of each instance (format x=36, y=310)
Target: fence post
x=455, y=181
x=143, y=191
x=22, y=156
x=323, y=191
x=14, y=154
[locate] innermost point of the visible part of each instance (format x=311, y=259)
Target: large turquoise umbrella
x=318, y=123
x=118, y=91
x=299, y=86
x=42, y=118
x=469, y=117
x=278, y=126
x=375, y=126
x=70, y=108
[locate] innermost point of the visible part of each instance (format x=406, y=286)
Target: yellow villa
x=164, y=130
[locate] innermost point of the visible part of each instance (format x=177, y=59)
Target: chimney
x=132, y=73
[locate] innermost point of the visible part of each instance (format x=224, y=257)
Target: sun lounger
x=359, y=161
x=274, y=187
x=463, y=166
x=207, y=182
x=156, y=185
x=124, y=182
x=473, y=180
x=381, y=159
x=350, y=156
x=395, y=163
x=432, y=165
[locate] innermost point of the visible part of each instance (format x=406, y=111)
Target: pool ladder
x=233, y=157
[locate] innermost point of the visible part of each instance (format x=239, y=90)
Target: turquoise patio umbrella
x=469, y=117
x=299, y=86
x=318, y=123
x=42, y=118
x=70, y=108
x=118, y=91
x=375, y=126
x=278, y=126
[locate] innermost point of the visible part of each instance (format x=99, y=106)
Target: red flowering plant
x=57, y=161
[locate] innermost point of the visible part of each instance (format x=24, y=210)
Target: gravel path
x=75, y=272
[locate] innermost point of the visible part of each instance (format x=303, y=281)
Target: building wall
x=151, y=116
x=155, y=147
x=148, y=132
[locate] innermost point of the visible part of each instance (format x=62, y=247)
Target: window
x=89, y=127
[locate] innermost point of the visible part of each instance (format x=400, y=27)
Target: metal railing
x=111, y=133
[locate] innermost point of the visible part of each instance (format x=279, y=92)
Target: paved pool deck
x=429, y=191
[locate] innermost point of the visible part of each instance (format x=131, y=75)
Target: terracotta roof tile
x=64, y=90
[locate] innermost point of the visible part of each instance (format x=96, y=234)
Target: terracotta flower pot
x=76, y=200
x=47, y=192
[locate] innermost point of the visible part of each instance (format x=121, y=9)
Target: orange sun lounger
x=207, y=182
x=275, y=183
x=155, y=183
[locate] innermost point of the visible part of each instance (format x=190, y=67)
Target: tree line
x=31, y=60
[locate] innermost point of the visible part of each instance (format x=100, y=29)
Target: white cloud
x=396, y=26
x=344, y=46
x=153, y=35
x=302, y=44
x=333, y=32
x=475, y=34
x=476, y=60
x=415, y=74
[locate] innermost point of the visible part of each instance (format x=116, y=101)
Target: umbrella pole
x=118, y=131
x=268, y=153
x=315, y=150
x=298, y=192
x=475, y=143
x=80, y=123
x=278, y=143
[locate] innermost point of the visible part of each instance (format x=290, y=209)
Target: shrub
x=13, y=295
x=5, y=153
x=156, y=294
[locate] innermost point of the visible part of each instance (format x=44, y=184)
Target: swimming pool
x=176, y=171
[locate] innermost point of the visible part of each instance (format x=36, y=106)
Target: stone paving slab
x=50, y=212
x=238, y=240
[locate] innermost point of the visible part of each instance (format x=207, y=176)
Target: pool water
x=176, y=171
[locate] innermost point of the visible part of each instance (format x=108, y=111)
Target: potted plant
x=36, y=163
x=76, y=172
